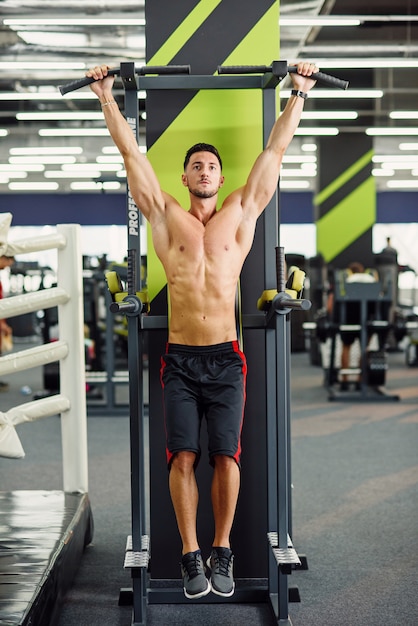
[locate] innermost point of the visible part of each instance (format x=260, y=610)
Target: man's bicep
x=262, y=182
x=144, y=186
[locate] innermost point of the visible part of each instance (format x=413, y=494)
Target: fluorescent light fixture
x=46, y=95
x=9, y=175
x=41, y=65
x=81, y=167
x=384, y=131
x=114, y=150
x=85, y=186
x=367, y=63
x=45, y=150
x=54, y=95
x=382, y=158
x=402, y=184
x=62, y=40
x=319, y=21
x=294, y=173
x=3, y=132
x=4, y=180
x=121, y=174
x=408, y=146
x=403, y=115
x=399, y=165
x=33, y=186
x=110, y=150
x=93, y=186
x=72, y=174
x=309, y=147
x=111, y=184
x=73, y=132
x=45, y=159
x=16, y=167
x=337, y=93
x=382, y=171
x=60, y=116
x=16, y=23
x=115, y=158
x=296, y=158
x=294, y=184
x=315, y=131
x=329, y=115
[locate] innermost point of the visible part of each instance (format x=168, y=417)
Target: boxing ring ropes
x=69, y=510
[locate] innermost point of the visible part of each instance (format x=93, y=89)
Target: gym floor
x=355, y=508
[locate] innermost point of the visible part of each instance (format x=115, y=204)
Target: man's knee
x=184, y=461
x=223, y=462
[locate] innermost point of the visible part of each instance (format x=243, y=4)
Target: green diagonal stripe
x=184, y=31
x=347, y=221
x=229, y=119
x=343, y=178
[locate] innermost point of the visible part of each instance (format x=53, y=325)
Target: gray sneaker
x=195, y=583
x=222, y=580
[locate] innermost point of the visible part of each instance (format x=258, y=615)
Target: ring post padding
x=72, y=368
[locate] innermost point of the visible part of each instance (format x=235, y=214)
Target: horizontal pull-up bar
x=166, y=77
x=140, y=71
x=280, y=69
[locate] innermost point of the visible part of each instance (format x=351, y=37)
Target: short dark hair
x=356, y=267
x=201, y=147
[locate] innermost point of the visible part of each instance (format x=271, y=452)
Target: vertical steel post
x=135, y=364
x=276, y=385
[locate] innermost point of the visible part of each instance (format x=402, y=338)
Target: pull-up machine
x=273, y=320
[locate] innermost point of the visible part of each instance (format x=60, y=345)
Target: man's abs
x=202, y=323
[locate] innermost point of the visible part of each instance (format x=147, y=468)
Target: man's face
x=203, y=175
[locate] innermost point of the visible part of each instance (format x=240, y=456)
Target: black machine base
x=171, y=592
x=366, y=394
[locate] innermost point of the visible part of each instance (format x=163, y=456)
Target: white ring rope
x=33, y=357
x=32, y=301
x=42, y=242
x=10, y=445
x=24, y=246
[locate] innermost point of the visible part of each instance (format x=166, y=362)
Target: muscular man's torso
x=202, y=265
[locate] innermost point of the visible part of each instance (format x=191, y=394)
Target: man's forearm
x=285, y=126
x=117, y=125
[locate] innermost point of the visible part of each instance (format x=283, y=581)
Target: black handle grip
x=244, y=69
x=326, y=79
x=164, y=69
x=83, y=82
x=142, y=71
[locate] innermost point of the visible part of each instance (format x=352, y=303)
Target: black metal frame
x=276, y=322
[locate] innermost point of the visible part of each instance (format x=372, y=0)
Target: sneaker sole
x=224, y=595
x=201, y=594
x=228, y=594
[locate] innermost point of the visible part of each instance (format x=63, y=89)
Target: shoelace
x=192, y=566
x=222, y=564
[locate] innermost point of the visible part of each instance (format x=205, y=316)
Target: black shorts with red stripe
x=203, y=381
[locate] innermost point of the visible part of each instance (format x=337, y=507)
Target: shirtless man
x=203, y=371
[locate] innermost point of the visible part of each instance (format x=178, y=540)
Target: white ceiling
x=387, y=32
